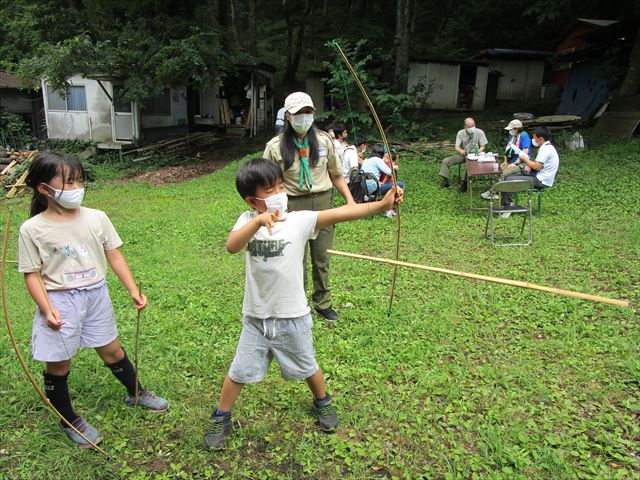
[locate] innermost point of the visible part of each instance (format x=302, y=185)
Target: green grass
x=464, y=380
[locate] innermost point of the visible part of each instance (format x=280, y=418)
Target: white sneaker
x=507, y=214
x=390, y=213
x=487, y=195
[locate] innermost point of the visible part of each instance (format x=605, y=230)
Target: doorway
x=122, y=116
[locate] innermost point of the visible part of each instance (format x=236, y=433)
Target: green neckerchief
x=303, y=151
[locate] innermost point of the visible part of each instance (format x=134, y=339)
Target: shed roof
x=8, y=80
x=514, y=54
x=448, y=61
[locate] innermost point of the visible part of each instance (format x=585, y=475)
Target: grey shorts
x=89, y=322
x=288, y=340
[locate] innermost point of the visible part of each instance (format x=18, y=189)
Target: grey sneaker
x=148, y=400
x=327, y=416
x=220, y=426
x=86, y=429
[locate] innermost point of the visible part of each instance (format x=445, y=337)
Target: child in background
x=63, y=252
x=276, y=316
x=380, y=169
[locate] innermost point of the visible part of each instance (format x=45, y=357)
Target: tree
x=146, y=46
x=296, y=25
x=403, y=22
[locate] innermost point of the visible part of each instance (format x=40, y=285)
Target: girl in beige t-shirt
x=64, y=250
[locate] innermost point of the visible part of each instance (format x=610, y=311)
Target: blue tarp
x=585, y=91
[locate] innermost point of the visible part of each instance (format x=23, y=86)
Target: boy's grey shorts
x=288, y=340
x=89, y=322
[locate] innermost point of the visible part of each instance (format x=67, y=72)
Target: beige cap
x=297, y=101
x=513, y=124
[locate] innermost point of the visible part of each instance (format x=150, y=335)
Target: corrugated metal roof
x=511, y=52
x=597, y=22
x=7, y=80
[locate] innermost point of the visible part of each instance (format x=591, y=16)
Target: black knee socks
x=57, y=391
x=124, y=371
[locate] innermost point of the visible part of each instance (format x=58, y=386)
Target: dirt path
x=204, y=161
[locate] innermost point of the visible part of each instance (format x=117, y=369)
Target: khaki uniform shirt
x=469, y=142
x=327, y=166
x=68, y=255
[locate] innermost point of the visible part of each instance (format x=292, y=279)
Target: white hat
x=297, y=101
x=513, y=124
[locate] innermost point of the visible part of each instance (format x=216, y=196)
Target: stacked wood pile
x=9, y=162
x=174, y=145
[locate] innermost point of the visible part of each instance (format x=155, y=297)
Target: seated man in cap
x=468, y=140
x=518, y=139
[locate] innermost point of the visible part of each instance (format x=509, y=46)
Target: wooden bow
x=394, y=174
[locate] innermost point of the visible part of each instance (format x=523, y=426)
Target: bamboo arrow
x=503, y=281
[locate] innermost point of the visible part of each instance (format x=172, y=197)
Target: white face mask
x=471, y=130
x=301, y=122
x=70, y=199
x=513, y=132
x=275, y=202
x=534, y=142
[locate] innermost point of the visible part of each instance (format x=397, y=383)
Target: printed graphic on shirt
x=76, y=277
x=267, y=248
x=322, y=151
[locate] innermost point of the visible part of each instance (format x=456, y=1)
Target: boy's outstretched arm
x=345, y=213
x=121, y=268
x=238, y=239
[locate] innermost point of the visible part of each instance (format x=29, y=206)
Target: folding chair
x=510, y=186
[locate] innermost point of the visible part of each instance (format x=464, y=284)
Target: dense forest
x=152, y=44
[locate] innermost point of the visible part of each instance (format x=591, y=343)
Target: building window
x=76, y=99
x=160, y=105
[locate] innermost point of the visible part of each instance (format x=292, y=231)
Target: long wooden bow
x=394, y=174
x=30, y=376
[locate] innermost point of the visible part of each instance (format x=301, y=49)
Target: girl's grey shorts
x=89, y=322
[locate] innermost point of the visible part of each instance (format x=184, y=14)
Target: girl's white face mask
x=279, y=202
x=301, y=122
x=70, y=199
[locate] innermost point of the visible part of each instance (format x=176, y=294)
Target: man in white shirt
x=280, y=120
x=542, y=170
x=351, y=157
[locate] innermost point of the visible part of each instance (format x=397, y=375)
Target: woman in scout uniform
x=311, y=169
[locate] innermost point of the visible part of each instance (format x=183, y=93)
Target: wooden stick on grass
x=504, y=281
x=137, y=352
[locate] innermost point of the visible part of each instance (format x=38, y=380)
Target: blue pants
x=385, y=187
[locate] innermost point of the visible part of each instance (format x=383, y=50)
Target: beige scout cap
x=297, y=101
x=513, y=124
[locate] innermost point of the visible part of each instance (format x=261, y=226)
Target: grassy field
x=464, y=380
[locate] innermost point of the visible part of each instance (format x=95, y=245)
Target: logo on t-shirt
x=267, y=248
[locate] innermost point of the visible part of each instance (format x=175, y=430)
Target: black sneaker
x=220, y=426
x=327, y=416
x=444, y=183
x=328, y=313
x=463, y=187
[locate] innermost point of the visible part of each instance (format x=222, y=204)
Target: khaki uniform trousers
x=448, y=162
x=321, y=296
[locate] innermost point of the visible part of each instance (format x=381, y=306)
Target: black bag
x=358, y=186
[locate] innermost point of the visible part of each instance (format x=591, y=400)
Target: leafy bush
x=14, y=131
x=401, y=113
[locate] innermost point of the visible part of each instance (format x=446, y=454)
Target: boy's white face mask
x=279, y=202
x=301, y=122
x=534, y=142
x=70, y=199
